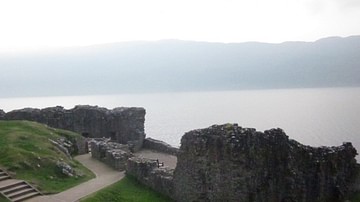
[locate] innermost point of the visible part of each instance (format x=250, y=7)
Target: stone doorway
x=85, y=134
x=113, y=136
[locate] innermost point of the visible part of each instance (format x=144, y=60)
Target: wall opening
x=87, y=135
x=113, y=135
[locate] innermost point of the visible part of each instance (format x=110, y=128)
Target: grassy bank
x=355, y=197
x=127, y=190
x=26, y=153
x=3, y=199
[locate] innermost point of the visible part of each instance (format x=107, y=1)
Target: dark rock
x=157, y=145
x=230, y=163
x=2, y=114
x=356, y=186
x=123, y=125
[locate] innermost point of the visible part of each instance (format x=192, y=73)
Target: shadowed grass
x=3, y=199
x=355, y=197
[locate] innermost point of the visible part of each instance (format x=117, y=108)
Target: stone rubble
x=63, y=145
x=65, y=169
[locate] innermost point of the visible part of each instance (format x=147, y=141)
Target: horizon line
x=37, y=49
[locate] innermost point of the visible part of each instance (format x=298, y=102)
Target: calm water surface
x=316, y=117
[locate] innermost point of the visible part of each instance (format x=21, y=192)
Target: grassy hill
x=26, y=153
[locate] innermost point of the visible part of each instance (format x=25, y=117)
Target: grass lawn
x=26, y=153
x=355, y=197
x=3, y=199
x=127, y=190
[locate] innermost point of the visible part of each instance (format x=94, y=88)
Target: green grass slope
x=26, y=153
x=127, y=190
x=3, y=199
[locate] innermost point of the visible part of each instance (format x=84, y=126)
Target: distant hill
x=174, y=65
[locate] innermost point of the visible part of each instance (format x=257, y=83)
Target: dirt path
x=104, y=177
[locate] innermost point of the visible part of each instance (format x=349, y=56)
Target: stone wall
x=123, y=125
x=111, y=153
x=81, y=145
x=356, y=185
x=149, y=173
x=160, y=146
x=2, y=114
x=219, y=163
x=230, y=163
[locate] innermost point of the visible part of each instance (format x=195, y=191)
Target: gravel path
x=169, y=160
x=104, y=176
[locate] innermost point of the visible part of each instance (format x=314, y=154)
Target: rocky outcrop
x=148, y=172
x=160, y=146
x=111, y=153
x=123, y=125
x=231, y=163
x=65, y=169
x=63, y=145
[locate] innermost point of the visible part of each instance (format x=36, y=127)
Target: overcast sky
x=28, y=25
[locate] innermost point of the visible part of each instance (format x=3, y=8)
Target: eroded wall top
x=231, y=163
x=124, y=125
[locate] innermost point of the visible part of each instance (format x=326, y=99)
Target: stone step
x=26, y=196
x=21, y=192
x=2, y=173
x=15, y=189
x=18, y=191
x=11, y=184
x=4, y=177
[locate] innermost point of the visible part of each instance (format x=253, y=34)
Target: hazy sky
x=34, y=24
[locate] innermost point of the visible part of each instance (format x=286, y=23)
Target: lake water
x=326, y=116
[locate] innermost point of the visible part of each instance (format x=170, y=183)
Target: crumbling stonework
x=148, y=172
x=123, y=125
x=80, y=144
x=111, y=153
x=160, y=146
x=71, y=145
x=64, y=146
x=230, y=163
